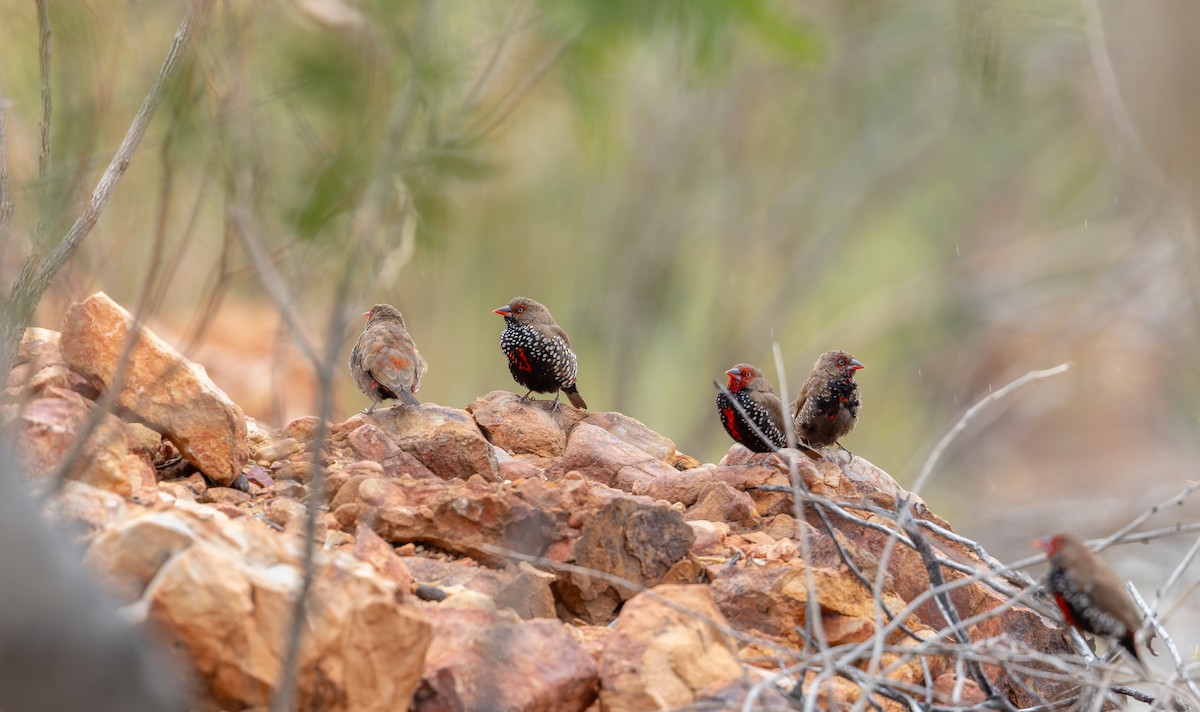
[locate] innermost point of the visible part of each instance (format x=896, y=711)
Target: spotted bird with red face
x=1088, y=592
x=385, y=362
x=538, y=351
x=752, y=391
x=826, y=409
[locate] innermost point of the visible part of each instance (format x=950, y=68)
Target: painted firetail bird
x=1089, y=594
x=826, y=409
x=385, y=362
x=538, y=351
x=757, y=399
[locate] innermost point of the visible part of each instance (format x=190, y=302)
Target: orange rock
x=159, y=386
x=117, y=456
x=661, y=657
x=639, y=543
x=522, y=589
x=484, y=660
x=445, y=440
x=220, y=591
x=602, y=457
x=519, y=427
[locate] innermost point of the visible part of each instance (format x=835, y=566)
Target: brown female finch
x=385, y=362
x=827, y=407
x=1088, y=593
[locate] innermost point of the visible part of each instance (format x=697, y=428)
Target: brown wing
x=553, y=329
x=810, y=386
x=774, y=407
x=1106, y=590
x=391, y=357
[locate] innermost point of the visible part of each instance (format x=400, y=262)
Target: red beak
x=366, y=315
x=503, y=311
x=734, y=373
x=855, y=364
x=1042, y=543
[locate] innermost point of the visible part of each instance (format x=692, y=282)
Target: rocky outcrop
x=220, y=591
x=504, y=556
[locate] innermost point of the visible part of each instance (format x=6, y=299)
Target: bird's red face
x=741, y=375
x=1049, y=544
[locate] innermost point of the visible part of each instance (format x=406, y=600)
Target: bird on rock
x=751, y=390
x=827, y=407
x=538, y=351
x=1088, y=592
x=385, y=362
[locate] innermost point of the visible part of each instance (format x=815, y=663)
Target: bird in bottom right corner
x=826, y=409
x=1088, y=592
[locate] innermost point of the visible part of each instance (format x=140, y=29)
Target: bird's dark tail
x=407, y=397
x=576, y=399
x=1127, y=642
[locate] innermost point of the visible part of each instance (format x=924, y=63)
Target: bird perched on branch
x=1088, y=592
x=753, y=392
x=385, y=362
x=827, y=407
x=538, y=351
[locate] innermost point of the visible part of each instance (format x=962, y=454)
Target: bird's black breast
x=740, y=430
x=540, y=363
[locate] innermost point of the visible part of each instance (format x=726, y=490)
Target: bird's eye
x=519, y=310
x=841, y=362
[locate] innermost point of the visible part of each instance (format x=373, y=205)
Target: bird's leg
x=555, y=405
x=371, y=410
x=525, y=398
x=843, y=447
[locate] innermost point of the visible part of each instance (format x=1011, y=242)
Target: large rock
x=628, y=539
x=372, y=443
x=445, y=440
x=602, y=457
x=520, y=427
x=158, y=385
x=483, y=660
x=522, y=588
x=772, y=601
x=466, y=517
x=664, y=658
x=116, y=456
x=220, y=591
x=635, y=433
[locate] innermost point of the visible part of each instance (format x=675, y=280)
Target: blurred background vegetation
x=955, y=192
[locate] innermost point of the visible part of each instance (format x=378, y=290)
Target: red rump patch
x=518, y=357
x=1066, y=610
x=731, y=422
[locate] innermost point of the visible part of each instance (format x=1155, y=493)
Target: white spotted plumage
x=546, y=349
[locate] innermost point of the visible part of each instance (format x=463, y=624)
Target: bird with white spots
x=538, y=351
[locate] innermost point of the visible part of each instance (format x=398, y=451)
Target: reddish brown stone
x=482, y=660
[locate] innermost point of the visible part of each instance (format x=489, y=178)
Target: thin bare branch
x=38, y=270
x=43, y=18
x=939, y=449
x=6, y=204
x=1165, y=637
x=498, y=115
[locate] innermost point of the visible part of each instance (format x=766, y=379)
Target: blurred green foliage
x=931, y=185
